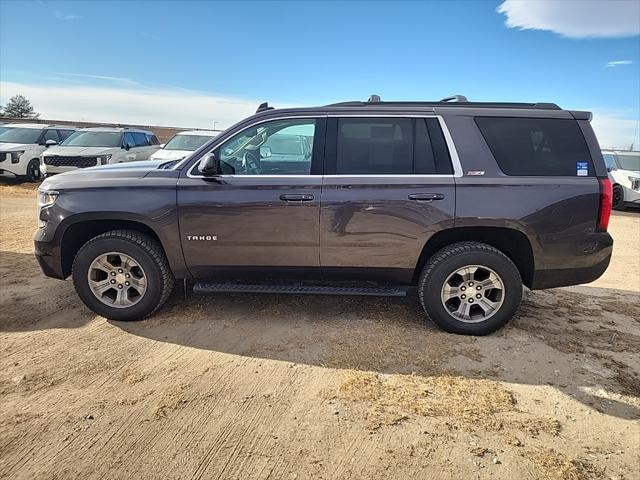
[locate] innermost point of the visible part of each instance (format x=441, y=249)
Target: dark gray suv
x=462, y=201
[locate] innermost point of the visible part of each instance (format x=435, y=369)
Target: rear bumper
x=590, y=264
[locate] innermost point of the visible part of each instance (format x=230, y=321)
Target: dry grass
x=467, y=400
x=10, y=189
x=553, y=465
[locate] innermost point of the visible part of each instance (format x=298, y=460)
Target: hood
x=169, y=154
x=104, y=175
x=12, y=147
x=79, y=151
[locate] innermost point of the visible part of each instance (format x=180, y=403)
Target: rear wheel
x=618, y=198
x=470, y=288
x=33, y=170
x=122, y=275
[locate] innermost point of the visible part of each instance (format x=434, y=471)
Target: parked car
x=183, y=144
x=21, y=145
x=90, y=147
x=462, y=202
x=624, y=172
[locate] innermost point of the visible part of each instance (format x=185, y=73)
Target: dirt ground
x=256, y=387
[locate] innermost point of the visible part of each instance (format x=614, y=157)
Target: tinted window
x=51, y=135
x=129, y=140
x=390, y=146
x=537, y=146
x=280, y=147
x=152, y=139
x=64, y=134
x=140, y=139
x=374, y=146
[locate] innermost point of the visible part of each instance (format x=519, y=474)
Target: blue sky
x=212, y=61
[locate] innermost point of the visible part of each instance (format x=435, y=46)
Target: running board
x=389, y=291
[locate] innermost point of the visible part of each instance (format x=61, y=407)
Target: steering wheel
x=251, y=164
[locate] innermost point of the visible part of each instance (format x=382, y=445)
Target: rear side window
x=537, y=146
x=388, y=146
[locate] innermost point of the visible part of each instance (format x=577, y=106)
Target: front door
x=260, y=216
x=389, y=186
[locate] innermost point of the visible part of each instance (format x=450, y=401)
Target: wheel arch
x=78, y=233
x=513, y=243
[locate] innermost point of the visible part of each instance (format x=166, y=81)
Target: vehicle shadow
x=582, y=341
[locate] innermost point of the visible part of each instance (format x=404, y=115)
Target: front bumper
x=9, y=168
x=48, y=256
x=631, y=196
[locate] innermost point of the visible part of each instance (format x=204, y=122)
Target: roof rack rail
x=457, y=98
x=263, y=107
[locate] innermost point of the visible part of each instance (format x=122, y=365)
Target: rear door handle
x=296, y=197
x=425, y=197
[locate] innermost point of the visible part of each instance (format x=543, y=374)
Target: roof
x=202, y=133
x=115, y=130
x=36, y=126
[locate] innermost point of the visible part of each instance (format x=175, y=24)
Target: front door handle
x=296, y=197
x=425, y=197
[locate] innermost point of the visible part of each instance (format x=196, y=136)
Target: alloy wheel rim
x=473, y=293
x=117, y=280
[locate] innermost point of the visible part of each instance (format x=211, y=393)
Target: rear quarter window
x=537, y=146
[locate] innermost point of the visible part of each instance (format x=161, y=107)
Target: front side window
x=93, y=139
x=64, y=134
x=129, y=140
x=51, y=135
x=280, y=147
x=537, y=146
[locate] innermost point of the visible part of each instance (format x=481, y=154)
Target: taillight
x=606, y=194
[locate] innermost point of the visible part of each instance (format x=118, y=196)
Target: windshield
x=93, y=139
x=187, y=142
x=629, y=162
x=20, y=135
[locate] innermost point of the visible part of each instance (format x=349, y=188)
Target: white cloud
x=66, y=16
x=617, y=63
x=575, y=19
x=151, y=106
x=613, y=129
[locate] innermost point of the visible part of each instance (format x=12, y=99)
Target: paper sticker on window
x=582, y=169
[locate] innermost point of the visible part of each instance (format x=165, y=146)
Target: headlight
x=103, y=159
x=635, y=183
x=15, y=156
x=47, y=197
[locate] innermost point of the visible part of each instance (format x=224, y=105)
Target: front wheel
x=122, y=275
x=618, y=198
x=470, y=288
x=33, y=170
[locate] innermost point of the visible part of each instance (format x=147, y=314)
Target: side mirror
x=50, y=143
x=610, y=169
x=162, y=145
x=265, y=152
x=127, y=146
x=209, y=165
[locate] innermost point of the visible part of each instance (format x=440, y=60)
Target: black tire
x=144, y=250
x=453, y=257
x=33, y=170
x=618, y=198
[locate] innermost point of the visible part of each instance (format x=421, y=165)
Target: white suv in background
x=183, y=144
x=21, y=145
x=624, y=172
x=99, y=146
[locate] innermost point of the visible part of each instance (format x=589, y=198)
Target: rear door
x=260, y=216
x=388, y=186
